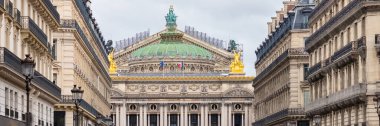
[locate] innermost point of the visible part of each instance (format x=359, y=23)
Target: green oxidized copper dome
x=172, y=49
x=171, y=43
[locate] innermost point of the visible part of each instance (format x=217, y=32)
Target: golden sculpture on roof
x=237, y=66
x=112, y=69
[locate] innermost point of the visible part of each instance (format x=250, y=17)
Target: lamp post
x=377, y=100
x=99, y=119
x=77, y=97
x=317, y=120
x=27, y=68
x=108, y=121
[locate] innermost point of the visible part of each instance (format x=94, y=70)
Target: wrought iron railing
x=73, y=24
x=2, y=3
x=362, y=42
x=322, y=31
x=314, y=69
x=346, y=49
x=12, y=61
x=68, y=99
x=90, y=24
x=279, y=115
x=337, y=97
x=28, y=23
x=269, y=68
x=52, y=9
x=17, y=15
x=9, y=8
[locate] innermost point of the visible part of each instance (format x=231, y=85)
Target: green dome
x=171, y=49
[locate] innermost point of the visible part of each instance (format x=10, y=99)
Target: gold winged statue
x=237, y=66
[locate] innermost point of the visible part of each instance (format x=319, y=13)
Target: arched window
x=214, y=107
x=238, y=107
x=153, y=107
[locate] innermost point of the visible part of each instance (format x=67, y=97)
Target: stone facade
x=81, y=59
x=26, y=27
x=159, y=83
x=280, y=88
x=344, y=60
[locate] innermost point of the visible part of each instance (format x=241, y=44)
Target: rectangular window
x=305, y=70
x=22, y=107
x=306, y=97
x=16, y=105
x=11, y=101
x=6, y=101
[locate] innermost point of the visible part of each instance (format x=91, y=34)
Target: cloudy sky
x=241, y=20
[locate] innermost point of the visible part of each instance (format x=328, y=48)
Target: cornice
x=192, y=78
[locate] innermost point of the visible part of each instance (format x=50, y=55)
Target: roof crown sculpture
x=237, y=66
x=171, y=19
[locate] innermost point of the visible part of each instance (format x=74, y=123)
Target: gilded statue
x=237, y=66
x=112, y=69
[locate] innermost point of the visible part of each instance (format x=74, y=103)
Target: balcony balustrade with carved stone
x=346, y=97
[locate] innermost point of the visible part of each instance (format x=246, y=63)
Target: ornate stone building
x=81, y=59
x=280, y=88
x=172, y=78
x=344, y=58
x=26, y=27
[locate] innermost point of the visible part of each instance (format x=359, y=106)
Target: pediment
x=116, y=93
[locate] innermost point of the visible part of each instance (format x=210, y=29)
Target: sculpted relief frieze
x=174, y=87
x=194, y=87
x=153, y=87
x=132, y=87
x=214, y=87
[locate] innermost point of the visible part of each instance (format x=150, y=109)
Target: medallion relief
x=153, y=87
x=174, y=87
x=193, y=87
x=132, y=87
x=214, y=87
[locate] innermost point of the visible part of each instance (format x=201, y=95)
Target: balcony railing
x=51, y=9
x=2, y=3
x=323, y=31
x=28, y=23
x=17, y=16
x=314, y=69
x=12, y=61
x=9, y=8
x=280, y=115
x=346, y=97
x=343, y=51
x=269, y=68
x=74, y=24
x=68, y=99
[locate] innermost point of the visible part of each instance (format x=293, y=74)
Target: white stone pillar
x=117, y=115
x=202, y=114
x=224, y=115
x=123, y=114
x=141, y=116
x=161, y=114
x=206, y=119
x=186, y=116
x=229, y=114
x=233, y=119
x=182, y=115
x=165, y=115
x=145, y=115
x=246, y=115
x=127, y=120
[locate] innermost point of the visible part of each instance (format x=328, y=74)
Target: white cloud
x=241, y=20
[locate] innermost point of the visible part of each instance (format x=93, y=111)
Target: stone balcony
x=47, y=11
x=281, y=116
x=345, y=55
x=341, y=99
x=33, y=34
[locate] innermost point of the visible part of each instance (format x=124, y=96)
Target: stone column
x=161, y=114
x=186, y=116
x=229, y=114
x=224, y=115
x=117, y=115
x=206, y=115
x=165, y=115
x=202, y=114
x=233, y=119
x=219, y=121
x=123, y=114
x=141, y=116
x=145, y=115
x=182, y=114
x=246, y=116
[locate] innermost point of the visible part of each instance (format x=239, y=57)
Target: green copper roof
x=171, y=49
x=171, y=43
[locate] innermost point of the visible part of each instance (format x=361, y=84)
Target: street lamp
x=317, y=120
x=27, y=68
x=99, y=119
x=108, y=121
x=377, y=100
x=77, y=97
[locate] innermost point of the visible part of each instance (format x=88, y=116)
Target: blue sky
x=242, y=20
